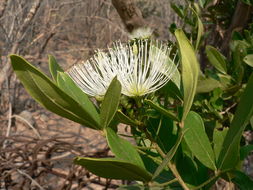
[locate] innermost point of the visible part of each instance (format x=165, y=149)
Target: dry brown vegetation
x=37, y=147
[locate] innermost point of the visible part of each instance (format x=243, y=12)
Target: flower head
x=141, y=67
x=141, y=33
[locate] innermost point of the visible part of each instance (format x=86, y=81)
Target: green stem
x=217, y=174
x=181, y=124
x=143, y=148
x=175, y=172
x=152, y=157
x=138, y=101
x=205, y=183
x=166, y=183
x=173, y=168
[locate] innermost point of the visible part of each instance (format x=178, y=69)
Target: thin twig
x=229, y=108
x=9, y=125
x=172, y=167
x=29, y=124
x=29, y=177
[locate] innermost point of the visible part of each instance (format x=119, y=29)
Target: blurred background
x=36, y=146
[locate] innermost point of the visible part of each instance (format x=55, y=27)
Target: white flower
x=141, y=33
x=141, y=68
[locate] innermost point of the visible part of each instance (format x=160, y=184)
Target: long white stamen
x=141, y=68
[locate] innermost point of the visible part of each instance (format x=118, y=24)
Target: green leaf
x=110, y=103
x=248, y=59
x=123, y=149
x=192, y=172
x=251, y=122
x=125, y=119
x=229, y=155
x=176, y=77
x=200, y=32
x=163, y=131
x=114, y=169
x=171, y=90
x=169, y=156
x=190, y=70
x=178, y=9
x=50, y=96
x=216, y=59
x=200, y=25
x=163, y=111
x=248, y=2
x=69, y=87
x=53, y=67
x=242, y=180
x=218, y=139
x=201, y=3
x=245, y=151
x=207, y=85
x=197, y=140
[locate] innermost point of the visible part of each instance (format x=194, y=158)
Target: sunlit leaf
x=48, y=94
x=190, y=70
x=123, y=149
x=218, y=139
x=54, y=67
x=110, y=103
x=207, y=85
x=249, y=59
x=69, y=87
x=216, y=59
x=200, y=25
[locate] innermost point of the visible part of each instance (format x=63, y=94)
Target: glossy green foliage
x=242, y=181
x=49, y=95
x=200, y=26
x=218, y=139
x=205, y=144
x=229, y=155
x=197, y=140
x=164, y=131
x=169, y=156
x=125, y=119
x=162, y=110
x=123, y=149
x=171, y=90
x=194, y=174
x=110, y=103
x=190, y=70
x=249, y=59
x=69, y=87
x=216, y=59
x=114, y=169
x=54, y=67
x=245, y=151
x=207, y=85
